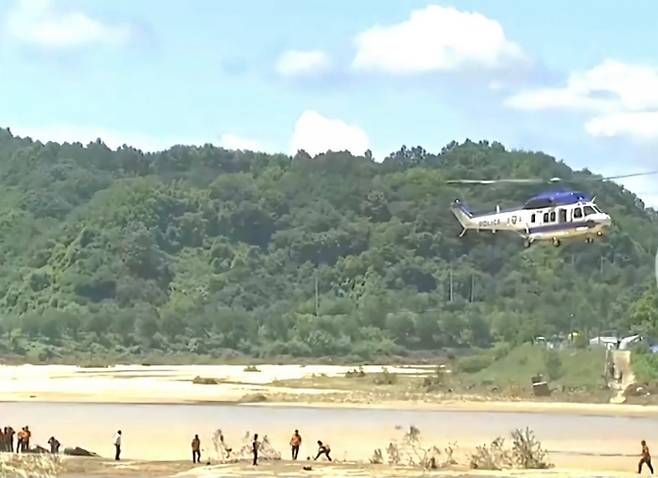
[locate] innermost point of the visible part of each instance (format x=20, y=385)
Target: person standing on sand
x=54, y=445
x=196, y=449
x=20, y=441
x=26, y=440
x=646, y=458
x=9, y=433
x=117, y=446
x=295, y=443
x=254, y=448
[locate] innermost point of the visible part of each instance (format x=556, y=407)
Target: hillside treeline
x=209, y=253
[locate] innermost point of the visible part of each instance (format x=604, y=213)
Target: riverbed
x=164, y=432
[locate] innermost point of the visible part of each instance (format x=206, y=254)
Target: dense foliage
x=208, y=252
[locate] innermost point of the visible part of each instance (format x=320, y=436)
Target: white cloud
x=610, y=86
x=233, y=141
x=638, y=125
x=112, y=138
x=302, y=63
x=435, y=38
x=620, y=99
x=39, y=23
x=317, y=134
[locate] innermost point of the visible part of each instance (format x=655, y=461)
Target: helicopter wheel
x=527, y=244
x=556, y=242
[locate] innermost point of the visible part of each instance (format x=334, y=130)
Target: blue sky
x=578, y=80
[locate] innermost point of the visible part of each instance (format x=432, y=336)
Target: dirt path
x=622, y=361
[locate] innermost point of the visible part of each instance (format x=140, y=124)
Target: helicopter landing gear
x=527, y=243
x=556, y=242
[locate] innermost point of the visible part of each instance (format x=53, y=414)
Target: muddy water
x=157, y=432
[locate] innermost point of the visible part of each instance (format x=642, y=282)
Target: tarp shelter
x=629, y=342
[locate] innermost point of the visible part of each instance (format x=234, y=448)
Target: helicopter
x=551, y=216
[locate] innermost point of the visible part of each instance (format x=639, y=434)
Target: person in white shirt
x=117, y=445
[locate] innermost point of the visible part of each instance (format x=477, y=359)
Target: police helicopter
x=548, y=217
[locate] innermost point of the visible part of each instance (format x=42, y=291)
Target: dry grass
x=29, y=466
x=526, y=453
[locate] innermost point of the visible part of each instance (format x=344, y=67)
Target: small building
x=608, y=342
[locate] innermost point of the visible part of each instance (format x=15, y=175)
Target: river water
x=157, y=432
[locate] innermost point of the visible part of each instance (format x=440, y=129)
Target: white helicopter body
x=547, y=217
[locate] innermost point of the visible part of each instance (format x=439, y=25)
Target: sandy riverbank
x=174, y=385
x=99, y=468
x=60, y=400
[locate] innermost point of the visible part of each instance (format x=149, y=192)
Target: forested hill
x=204, y=252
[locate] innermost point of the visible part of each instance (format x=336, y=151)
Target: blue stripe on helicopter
x=561, y=227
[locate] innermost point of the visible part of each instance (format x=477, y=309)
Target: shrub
x=385, y=377
x=205, y=381
x=553, y=365
x=474, y=363
x=355, y=373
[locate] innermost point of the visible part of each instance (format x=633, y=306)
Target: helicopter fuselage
x=541, y=220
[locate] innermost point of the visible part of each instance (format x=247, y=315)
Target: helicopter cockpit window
x=577, y=213
x=589, y=210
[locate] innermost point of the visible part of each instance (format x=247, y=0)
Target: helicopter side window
x=577, y=213
x=589, y=210
x=545, y=218
x=553, y=216
x=533, y=218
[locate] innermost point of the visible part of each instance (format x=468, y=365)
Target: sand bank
x=174, y=385
x=78, y=468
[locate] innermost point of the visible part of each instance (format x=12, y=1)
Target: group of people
x=22, y=444
x=7, y=439
x=22, y=440
x=295, y=444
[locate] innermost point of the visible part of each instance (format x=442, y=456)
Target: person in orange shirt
x=295, y=443
x=646, y=458
x=20, y=441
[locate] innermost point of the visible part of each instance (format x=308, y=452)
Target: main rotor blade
x=497, y=181
x=622, y=176
x=546, y=181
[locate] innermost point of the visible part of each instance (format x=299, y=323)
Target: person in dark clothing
x=295, y=443
x=196, y=449
x=323, y=449
x=254, y=448
x=54, y=445
x=9, y=432
x=117, y=446
x=646, y=458
x=28, y=437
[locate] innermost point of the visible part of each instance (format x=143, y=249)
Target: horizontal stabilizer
x=463, y=215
